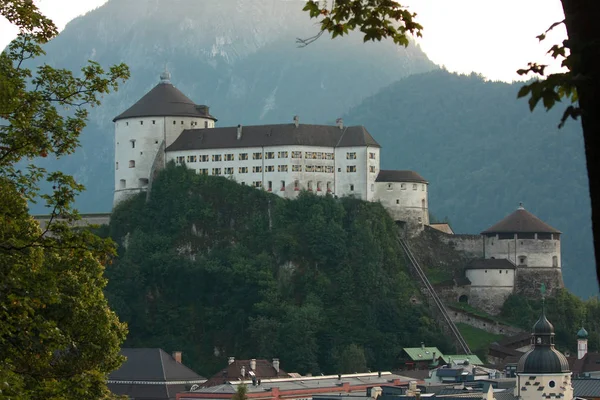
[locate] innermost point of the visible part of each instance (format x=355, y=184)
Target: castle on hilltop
x=514, y=255
x=165, y=125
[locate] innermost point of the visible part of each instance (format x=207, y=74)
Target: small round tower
x=523, y=239
x=582, y=343
x=543, y=372
x=404, y=195
x=143, y=132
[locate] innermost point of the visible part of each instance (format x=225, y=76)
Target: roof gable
x=521, y=221
x=270, y=135
x=423, y=353
x=148, y=364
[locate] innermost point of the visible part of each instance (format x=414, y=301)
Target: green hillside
x=218, y=269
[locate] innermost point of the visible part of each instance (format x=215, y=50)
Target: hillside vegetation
x=217, y=269
x=483, y=152
x=567, y=313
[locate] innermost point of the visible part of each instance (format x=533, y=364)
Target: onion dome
x=543, y=358
x=582, y=334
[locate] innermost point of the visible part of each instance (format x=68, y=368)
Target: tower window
x=174, y=122
x=133, y=143
x=551, y=384
x=206, y=124
x=351, y=187
x=117, y=165
x=141, y=122
x=131, y=163
x=181, y=122
x=397, y=201
x=127, y=123
x=122, y=184
x=153, y=122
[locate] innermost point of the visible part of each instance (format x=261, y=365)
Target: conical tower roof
x=521, y=221
x=165, y=100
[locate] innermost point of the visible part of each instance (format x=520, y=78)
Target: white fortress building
x=165, y=125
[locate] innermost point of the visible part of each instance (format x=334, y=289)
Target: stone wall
x=470, y=245
x=86, y=220
x=529, y=280
x=480, y=322
x=489, y=299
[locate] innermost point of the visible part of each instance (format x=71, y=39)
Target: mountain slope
x=237, y=56
x=483, y=152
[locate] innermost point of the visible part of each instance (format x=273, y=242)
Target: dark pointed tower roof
x=543, y=358
x=582, y=334
x=521, y=221
x=165, y=100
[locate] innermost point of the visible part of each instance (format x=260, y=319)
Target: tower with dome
x=543, y=372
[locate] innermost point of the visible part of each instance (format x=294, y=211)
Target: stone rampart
x=481, y=322
x=529, y=280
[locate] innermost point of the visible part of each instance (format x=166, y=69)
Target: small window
x=143, y=182
x=500, y=271
x=131, y=163
x=156, y=142
x=390, y=186
x=339, y=170
x=282, y=186
x=127, y=123
x=122, y=184
x=522, y=260
x=414, y=186
x=181, y=122
x=153, y=122
x=133, y=143
x=397, y=201
x=141, y=122
x=403, y=186
x=555, y=261
x=328, y=186
x=420, y=219
x=486, y=271
x=117, y=165
x=372, y=187
x=372, y=169
x=351, y=168
x=269, y=186
x=310, y=186
x=551, y=384
x=351, y=187
x=206, y=124
x=296, y=185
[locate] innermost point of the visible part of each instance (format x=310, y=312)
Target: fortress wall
x=86, y=220
x=529, y=280
x=489, y=299
x=470, y=245
x=486, y=324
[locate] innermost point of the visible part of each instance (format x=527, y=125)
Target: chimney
x=276, y=364
x=433, y=359
x=177, y=356
x=231, y=360
x=340, y=123
x=239, y=132
x=422, y=346
x=253, y=364
x=243, y=372
x=296, y=120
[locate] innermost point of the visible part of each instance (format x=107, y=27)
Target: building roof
x=491, y=263
x=423, y=353
x=521, y=221
x=165, y=100
x=460, y=358
x=151, y=373
x=586, y=387
x=443, y=227
x=273, y=135
x=233, y=372
x=589, y=363
x=389, y=175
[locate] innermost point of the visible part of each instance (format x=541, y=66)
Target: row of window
x=193, y=123
x=390, y=186
x=270, y=168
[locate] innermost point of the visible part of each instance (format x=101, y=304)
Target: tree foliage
x=567, y=312
x=58, y=338
x=217, y=269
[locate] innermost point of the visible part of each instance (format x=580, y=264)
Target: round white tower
x=543, y=372
x=523, y=239
x=404, y=195
x=143, y=132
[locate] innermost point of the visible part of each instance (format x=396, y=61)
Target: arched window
x=554, y=261
x=131, y=163
x=122, y=184
x=522, y=260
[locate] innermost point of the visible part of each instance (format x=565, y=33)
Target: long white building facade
x=284, y=159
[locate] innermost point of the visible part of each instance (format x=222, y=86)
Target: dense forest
x=483, y=152
x=218, y=269
x=567, y=312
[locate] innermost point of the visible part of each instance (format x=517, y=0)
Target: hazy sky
x=494, y=38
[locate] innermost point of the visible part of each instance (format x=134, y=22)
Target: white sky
x=494, y=38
